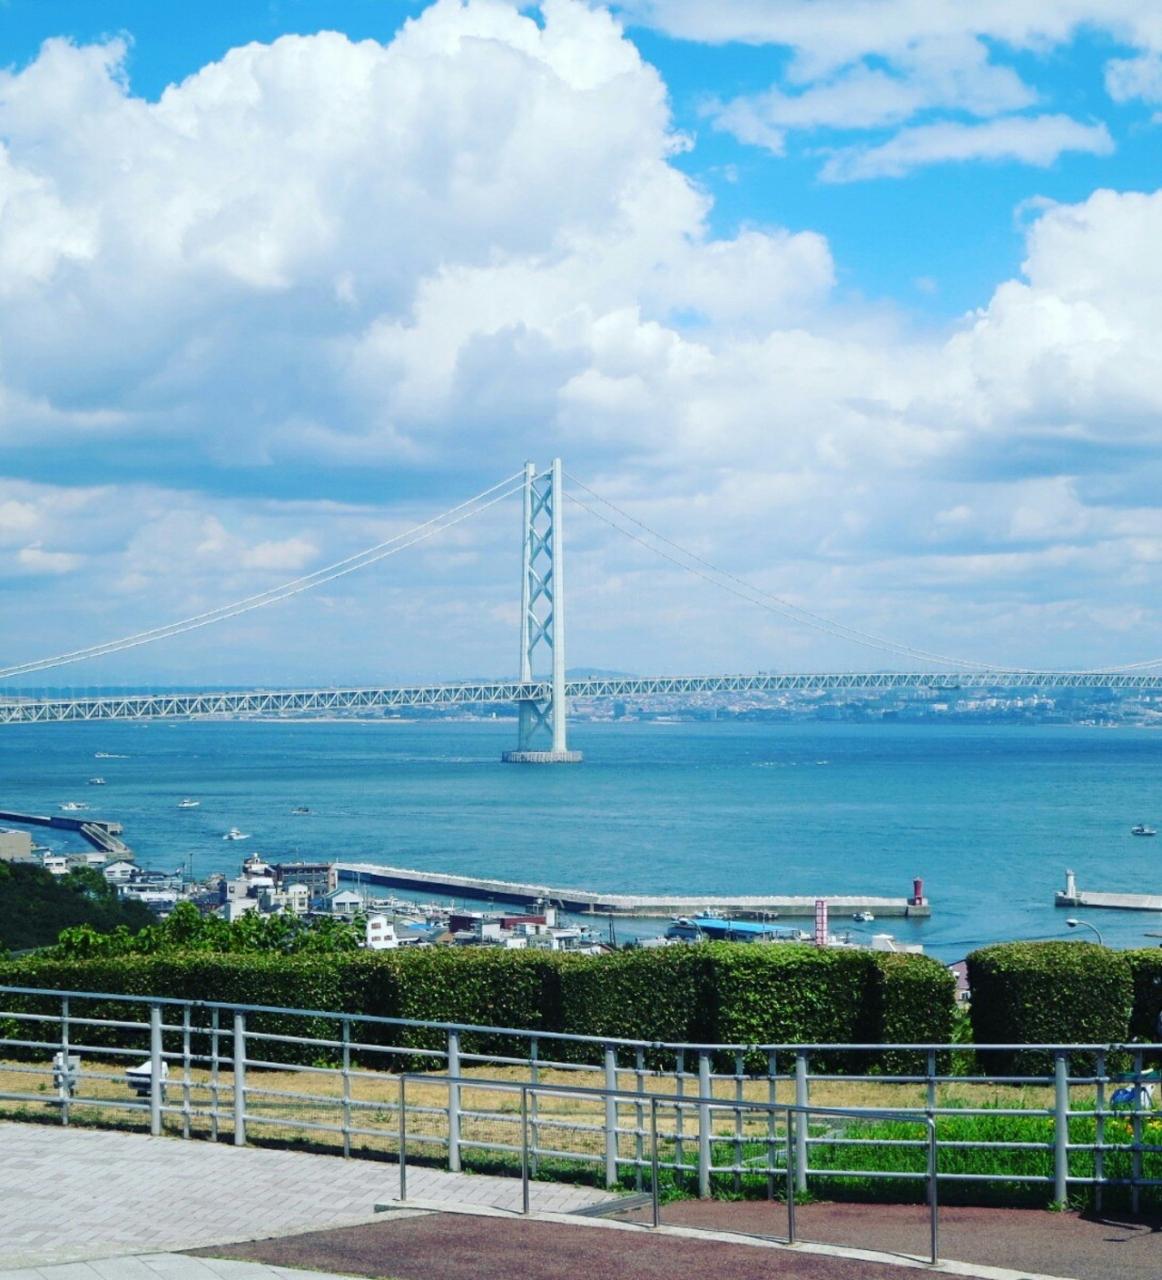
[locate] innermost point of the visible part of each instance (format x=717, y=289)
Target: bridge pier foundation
x=541, y=757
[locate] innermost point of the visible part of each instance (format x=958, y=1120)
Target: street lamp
x=1073, y=923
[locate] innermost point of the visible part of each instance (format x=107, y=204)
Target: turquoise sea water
x=989, y=816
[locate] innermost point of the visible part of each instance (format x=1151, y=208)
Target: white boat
x=864, y=917
x=188, y=804
x=300, y=809
x=1142, y=830
x=71, y=806
x=235, y=834
x=96, y=782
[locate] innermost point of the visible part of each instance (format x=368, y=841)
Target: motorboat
x=188, y=803
x=96, y=782
x=72, y=806
x=1142, y=830
x=864, y=917
x=300, y=809
x=235, y=834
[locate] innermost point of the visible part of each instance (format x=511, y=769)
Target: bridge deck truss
x=290, y=702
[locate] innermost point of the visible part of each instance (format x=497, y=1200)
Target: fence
x=733, y=1117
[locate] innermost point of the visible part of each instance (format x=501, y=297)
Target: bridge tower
x=541, y=724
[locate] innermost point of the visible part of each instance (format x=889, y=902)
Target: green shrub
x=1146, y=1017
x=646, y=994
x=1048, y=993
x=917, y=1006
x=793, y=994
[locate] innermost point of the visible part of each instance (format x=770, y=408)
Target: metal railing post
x=65, y=1091
x=346, y=1086
x=215, y=1068
x=610, y=1117
x=524, y=1149
x=1136, y=1128
x=704, y=1145
x=654, y=1160
x=453, y=1102
x=1060, y=1127
x=1099, y=1132
x=801, y=1125
x=239, y=1079
x=772, y=1123
x=933, y=1208
x=155, y=1061
x=186, y=1101
x=639, y=1118
x=534, y=1104
x=792, y=1143
x=403, y=1139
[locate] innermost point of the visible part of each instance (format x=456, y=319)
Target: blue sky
x=857, y=299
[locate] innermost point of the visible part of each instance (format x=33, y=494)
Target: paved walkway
x=74, y=1194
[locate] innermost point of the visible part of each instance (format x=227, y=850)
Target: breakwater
x=659, y=906
x=100, y=833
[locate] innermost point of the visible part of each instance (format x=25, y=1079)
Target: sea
x=990, y=816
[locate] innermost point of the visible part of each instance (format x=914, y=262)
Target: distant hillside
x=36, y=906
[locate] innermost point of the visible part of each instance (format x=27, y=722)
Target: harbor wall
x=588, y=902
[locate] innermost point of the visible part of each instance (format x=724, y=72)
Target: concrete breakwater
x=587, y=902
x=101, y=834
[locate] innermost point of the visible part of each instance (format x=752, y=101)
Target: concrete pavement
x=78, y=1194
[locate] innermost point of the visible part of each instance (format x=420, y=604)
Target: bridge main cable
x=360, y=560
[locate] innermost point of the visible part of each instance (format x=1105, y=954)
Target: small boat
x=1142, y=830
x=71, y=806
x=864, y=917
x=235, y=834
x=96, y=782
x=188, y=804
x=300, y=809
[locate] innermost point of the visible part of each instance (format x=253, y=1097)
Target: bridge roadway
x=280, y=702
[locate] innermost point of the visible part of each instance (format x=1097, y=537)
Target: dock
x=1072, y=896
x=589, y=902
x=101, y=834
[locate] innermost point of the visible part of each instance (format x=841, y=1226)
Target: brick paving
x=72, y=1194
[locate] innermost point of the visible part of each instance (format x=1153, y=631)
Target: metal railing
x=217, y=1069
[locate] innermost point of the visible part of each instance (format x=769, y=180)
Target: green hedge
x=649, y=994
x=1048, y=993
x=713, y=993
x=1146, y=972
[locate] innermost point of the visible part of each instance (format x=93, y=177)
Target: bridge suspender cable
x=360, y=560
x=727, y=581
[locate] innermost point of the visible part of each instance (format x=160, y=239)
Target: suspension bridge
x=542, y=691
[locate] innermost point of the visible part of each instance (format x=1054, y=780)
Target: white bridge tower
x=541, y=731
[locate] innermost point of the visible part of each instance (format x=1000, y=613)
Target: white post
x=1061, y=1129
x=155, y=1061
x=453, y=1102
x=239, y=1079
x=610, y=1117
x=801, y=1100
x=705, y=1084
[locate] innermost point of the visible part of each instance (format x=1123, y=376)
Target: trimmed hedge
x=711, y=993
x=1048, y=993
x=1146, y=972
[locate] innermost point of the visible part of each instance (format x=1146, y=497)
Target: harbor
x=642, y=906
